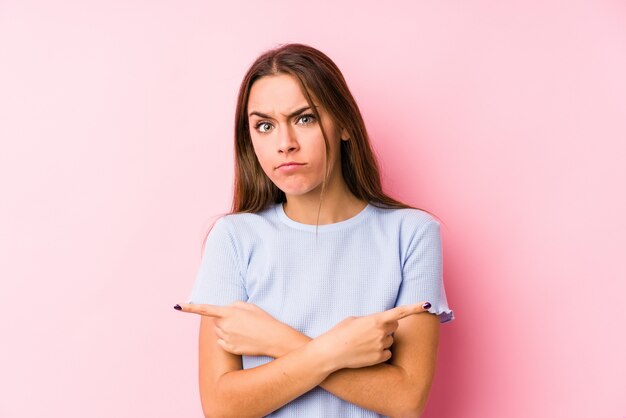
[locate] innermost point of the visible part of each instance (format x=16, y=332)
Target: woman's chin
x=301, y=192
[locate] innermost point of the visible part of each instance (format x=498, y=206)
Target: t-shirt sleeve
x=219, y=280
x=423, y=272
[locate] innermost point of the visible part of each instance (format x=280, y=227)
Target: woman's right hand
x=360, y=341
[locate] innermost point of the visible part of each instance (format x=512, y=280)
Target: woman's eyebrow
x=297, y=112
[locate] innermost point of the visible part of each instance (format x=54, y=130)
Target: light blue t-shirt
x=372, y=262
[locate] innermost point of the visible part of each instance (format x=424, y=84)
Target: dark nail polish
x=426, y=305
x=177, y=307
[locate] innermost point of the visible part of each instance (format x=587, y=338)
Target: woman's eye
x=263, y=127
x=306, y=119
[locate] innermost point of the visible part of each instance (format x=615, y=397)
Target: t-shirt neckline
x=280, y=211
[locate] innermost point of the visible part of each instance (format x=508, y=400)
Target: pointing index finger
x=403, y=311
x=203, y=309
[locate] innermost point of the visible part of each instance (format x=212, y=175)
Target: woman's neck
x=337, y=206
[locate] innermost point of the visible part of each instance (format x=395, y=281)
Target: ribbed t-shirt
x=311, y=280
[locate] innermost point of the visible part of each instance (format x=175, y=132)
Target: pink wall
x=506, y=119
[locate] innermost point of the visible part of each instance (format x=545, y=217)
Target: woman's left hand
x=243, y=328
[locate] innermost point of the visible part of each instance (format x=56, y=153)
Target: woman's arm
x=228, y=391
x=398, y=389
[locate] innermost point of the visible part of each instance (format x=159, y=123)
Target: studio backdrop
x=507, y=120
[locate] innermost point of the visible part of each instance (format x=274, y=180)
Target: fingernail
x=426, y=305
x=177, y=307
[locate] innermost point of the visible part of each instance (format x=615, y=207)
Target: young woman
x=319, y=295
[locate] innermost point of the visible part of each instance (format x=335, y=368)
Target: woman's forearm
x=258, y=391
x=379, y=388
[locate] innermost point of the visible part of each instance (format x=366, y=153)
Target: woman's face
x=284, y=130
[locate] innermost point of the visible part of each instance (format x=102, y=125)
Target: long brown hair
x=319, y=77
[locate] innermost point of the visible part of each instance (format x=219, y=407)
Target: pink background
x=506, y=119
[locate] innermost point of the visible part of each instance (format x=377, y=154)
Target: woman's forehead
x=277, y=94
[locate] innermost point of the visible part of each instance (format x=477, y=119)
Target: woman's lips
x=289, y=167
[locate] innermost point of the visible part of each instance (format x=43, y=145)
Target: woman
x=312, y=291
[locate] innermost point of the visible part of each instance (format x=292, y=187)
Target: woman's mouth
x=289, y=167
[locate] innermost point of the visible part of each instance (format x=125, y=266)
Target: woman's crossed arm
x=397, y=388
x=348, y=361
x=228, y=391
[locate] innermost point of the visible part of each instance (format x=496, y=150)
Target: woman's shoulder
x=234, y=222
x=246, y=217
x=410, y=226
x=406, y=217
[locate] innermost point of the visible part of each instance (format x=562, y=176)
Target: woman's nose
x=287, y=141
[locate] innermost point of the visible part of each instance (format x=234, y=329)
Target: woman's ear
x=344, y=134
